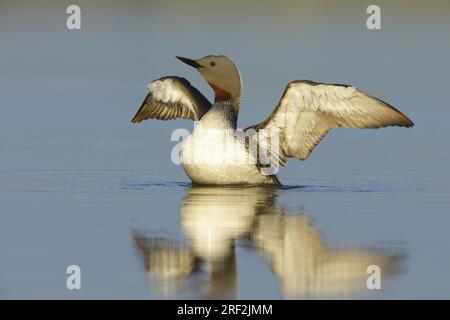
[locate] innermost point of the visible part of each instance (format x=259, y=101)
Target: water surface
x=79, y=184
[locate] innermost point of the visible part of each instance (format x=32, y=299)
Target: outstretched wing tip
x=409, y=123
x=135, y=120
x=403, y=121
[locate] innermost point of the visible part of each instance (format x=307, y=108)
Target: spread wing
x=170, y=98
x=307, y=111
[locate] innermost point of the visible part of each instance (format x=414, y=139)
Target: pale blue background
x=76, y=177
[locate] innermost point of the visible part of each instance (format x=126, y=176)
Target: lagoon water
x=80, y=185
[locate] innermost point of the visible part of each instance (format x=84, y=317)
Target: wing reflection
x=306, y=265
x=214, y=219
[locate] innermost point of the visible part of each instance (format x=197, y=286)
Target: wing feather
x=170, y=98
x=307, y=111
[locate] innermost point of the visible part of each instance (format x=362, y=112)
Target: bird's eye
x=212, y=63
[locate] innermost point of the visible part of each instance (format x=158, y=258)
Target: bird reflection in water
x=215, y=219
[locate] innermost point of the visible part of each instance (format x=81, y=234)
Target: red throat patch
x=221, y=94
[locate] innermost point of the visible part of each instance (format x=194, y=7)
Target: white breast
x=214, y=156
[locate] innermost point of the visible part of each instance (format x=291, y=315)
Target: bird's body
x=217, y=154
x=213, y=155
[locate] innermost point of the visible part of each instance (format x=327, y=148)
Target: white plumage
x=165, y=91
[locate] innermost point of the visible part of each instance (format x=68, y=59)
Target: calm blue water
x=79, y=184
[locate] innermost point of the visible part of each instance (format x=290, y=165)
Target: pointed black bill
x=190, y=62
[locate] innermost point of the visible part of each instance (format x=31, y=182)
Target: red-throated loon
x=216, y=154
